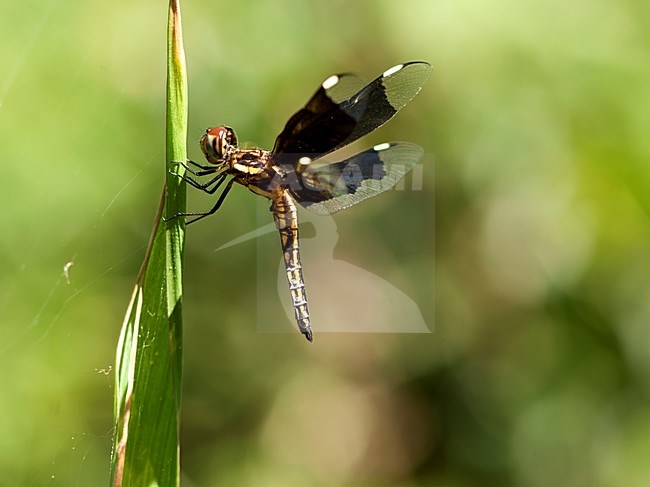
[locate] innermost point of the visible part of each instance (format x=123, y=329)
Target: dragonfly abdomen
x=286, y=221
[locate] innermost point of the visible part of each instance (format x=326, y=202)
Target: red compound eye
x=215, y=142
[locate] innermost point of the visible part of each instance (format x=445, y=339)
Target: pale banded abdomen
x=286, y=221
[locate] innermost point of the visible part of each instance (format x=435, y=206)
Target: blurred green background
x=538, y=369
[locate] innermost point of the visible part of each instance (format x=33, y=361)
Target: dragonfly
x=343, y=109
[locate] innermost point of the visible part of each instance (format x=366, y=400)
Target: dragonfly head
x=216, y=142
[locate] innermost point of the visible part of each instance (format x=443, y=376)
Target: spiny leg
x=201, y=173
x=203, y=187
x=206, y=169
x=207, y=213
x=196, y=164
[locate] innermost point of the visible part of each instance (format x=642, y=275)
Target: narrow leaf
x=149, y=354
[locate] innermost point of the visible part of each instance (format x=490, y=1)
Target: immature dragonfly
x=341, y=111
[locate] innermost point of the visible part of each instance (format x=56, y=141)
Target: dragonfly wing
x=298, y=136
x=329, y=188
x=329, y=121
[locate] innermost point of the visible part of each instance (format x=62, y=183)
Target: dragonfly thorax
x=249, y=162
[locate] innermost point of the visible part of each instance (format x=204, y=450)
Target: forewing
x=329, y=188
x=328, y=122
x=298, y=138
x=340, y=87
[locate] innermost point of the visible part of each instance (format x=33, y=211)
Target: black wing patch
x=330, y=121
x=333, y=90
x=329, y=188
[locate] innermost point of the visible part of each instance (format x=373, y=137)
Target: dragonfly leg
x=206, y=169
x=200, y=166
x=219, y=178
x=200, y=214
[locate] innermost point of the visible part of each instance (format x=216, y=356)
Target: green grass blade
x=149, y=355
